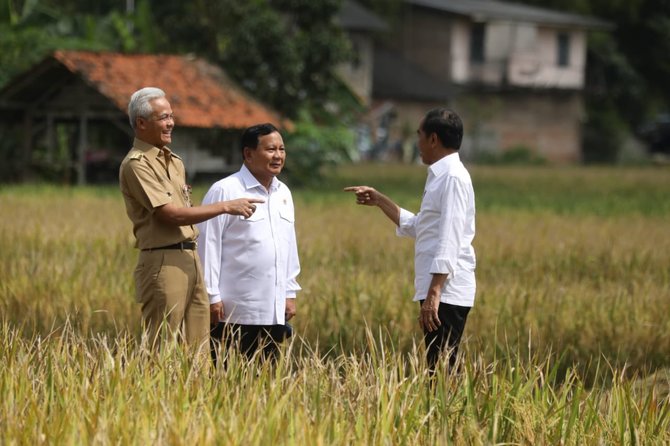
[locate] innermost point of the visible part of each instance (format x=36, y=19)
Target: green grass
x=568, y=343
x=566, y=190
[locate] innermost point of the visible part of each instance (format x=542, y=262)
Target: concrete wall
x=358, y=73
x=548, y=124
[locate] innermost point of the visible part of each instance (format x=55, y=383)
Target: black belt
x=188, y=245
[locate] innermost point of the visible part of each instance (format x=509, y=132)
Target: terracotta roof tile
x=200, y=93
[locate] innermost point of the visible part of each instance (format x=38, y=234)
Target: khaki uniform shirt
x=147, y=184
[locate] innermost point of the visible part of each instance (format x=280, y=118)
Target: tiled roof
x=200, y=93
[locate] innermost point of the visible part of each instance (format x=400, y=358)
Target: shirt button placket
x=273, y=218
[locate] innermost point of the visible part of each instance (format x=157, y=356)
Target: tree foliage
x=31, y=29
x=283, y=51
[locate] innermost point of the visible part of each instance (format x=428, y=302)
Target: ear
x=433, y=139
x=140, y=123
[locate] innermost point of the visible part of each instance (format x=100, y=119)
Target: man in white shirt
x=444, y=259
x=250, y=264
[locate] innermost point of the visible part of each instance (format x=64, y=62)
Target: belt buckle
x=189, y=245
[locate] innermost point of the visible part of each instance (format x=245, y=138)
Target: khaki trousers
x=170, y=288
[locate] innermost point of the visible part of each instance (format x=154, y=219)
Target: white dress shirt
x=251, y=264
x=444, y=229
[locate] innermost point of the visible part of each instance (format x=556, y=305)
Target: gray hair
x=139, y=105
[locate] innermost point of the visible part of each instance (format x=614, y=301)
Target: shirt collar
x=151, y=150
x=251, y=182
x=444, y=164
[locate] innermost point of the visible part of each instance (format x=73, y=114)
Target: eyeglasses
x=164, y=117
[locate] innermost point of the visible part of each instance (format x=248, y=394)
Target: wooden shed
x=70, y=111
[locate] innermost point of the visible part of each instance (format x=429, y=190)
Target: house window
x=477, y=38
x=563, y=49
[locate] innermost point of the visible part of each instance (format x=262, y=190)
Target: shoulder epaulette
x=136, y=155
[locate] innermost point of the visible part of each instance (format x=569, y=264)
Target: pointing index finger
x=356, y=189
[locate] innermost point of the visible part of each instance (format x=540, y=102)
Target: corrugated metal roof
x=497, y=10
x=397, y=78
x=200, y=93
x=354, y=17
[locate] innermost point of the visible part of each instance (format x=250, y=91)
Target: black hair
x=446, y=125
x=252, y=134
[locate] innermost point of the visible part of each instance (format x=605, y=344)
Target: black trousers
x=247, y=338
x=447, y=336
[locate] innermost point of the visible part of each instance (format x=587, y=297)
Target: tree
x=28, y=32
x=32, y=29
x=283, y=51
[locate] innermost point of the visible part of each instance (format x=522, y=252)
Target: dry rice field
x=568, y=342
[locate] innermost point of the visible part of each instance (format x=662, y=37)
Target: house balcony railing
x=525, y=71
x=487, y=73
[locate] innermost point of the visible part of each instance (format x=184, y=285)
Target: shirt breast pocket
x=168, y=188
x=254, y=227
x=287, y=215
x=286, y=221
x=258, y=215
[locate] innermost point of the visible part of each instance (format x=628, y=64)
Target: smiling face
x=157, y=128
x=267, y=160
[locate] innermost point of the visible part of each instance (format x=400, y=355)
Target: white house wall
x=518, y=54
x=460, y=54
x=539, y=68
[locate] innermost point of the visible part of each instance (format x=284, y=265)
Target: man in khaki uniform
x=168, y=276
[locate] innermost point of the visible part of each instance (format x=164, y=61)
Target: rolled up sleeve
x=407, y=224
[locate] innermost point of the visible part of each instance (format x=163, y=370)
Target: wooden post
x=51, y=138
x=81, y=149
x=26, y=159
